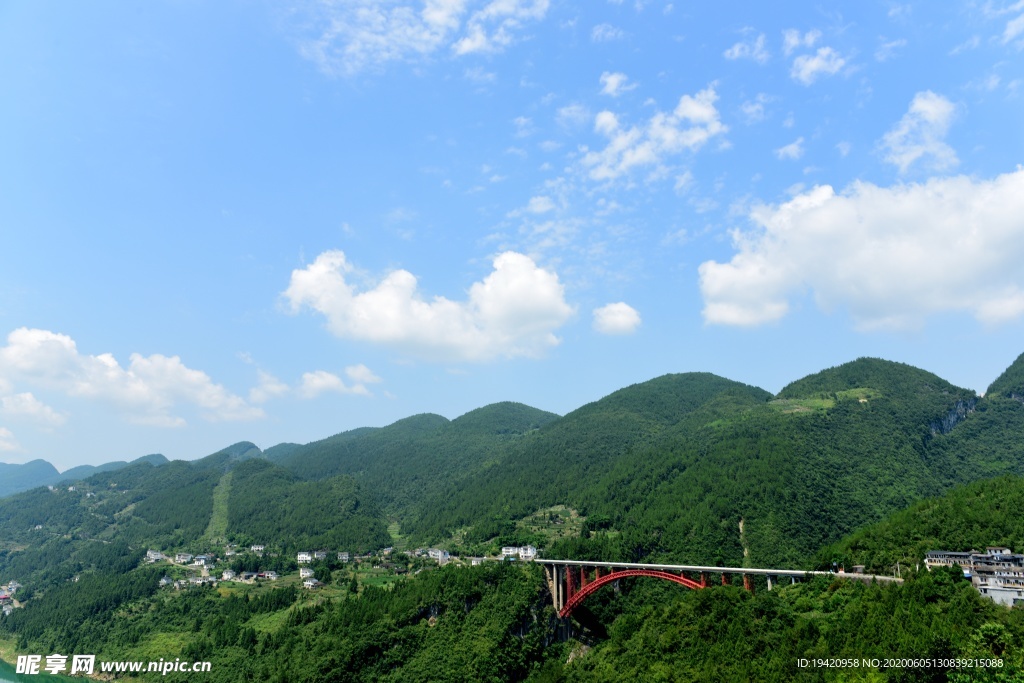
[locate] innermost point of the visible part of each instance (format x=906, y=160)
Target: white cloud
x=920, y=134
x=604, y=33
x=491, y=28
x=572, y=115
x=614, y=84
x=524, y=126
x=479, y=75
x=354, y=35
x=792, y=39
x=320, y=382
x=512, y=312
x=361, y=375
x=7, y=442
x=617, y=318
x=147, y=390
x=895, y=254
x=807, y=68
x=314, y=384
x=970, y=44
x=750, y=50
x=793, y=150
x=27, y=405
x=844, y=148
x=269, y=387
x=540, y=205
x=694, y=121
x=1014, y=28
x=887, y=50
x=753, y=110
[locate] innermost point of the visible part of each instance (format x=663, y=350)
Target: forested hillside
x=834, y=451
x=864, y=463
x=17, y=478
x=418, y=457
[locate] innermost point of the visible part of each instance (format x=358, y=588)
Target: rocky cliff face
x=954, y=417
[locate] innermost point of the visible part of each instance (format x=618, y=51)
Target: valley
x=869, y=463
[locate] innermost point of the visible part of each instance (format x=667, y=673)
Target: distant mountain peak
x=1011, y=382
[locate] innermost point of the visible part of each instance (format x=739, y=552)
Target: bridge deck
x=751, y=571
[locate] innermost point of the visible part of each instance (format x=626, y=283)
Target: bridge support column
x=559, y=600
x=725, y=581
x=703, y=579
x=769, y=583
x=747, y=583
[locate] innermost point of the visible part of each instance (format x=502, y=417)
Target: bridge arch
x=577, y=597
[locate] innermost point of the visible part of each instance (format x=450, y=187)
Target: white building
x=437, y=554
x=182, y=558
x=997, y=573
x=228, y=575
x=527, y=552
x=343, y=557
x=305, y=573
x=311, y=584
x=257, y=548
x=304, y=557
x=510, y=551
x=320, y=555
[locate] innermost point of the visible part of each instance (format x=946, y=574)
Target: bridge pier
x=769, y=577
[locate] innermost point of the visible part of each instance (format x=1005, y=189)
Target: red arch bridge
x=571, y=581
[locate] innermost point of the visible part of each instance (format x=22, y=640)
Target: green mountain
x=862, y=463
x=1010, y=384
x=966, y=518
x=564, y=461
x=14, y=478
x=700, y=469
x=418, y=457
x=83, y=471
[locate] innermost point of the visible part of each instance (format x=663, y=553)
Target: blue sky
x=266, y=222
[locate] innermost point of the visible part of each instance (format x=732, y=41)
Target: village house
x=998, y=573
x=343, y=557
x=154, y=556
x=311, y=584
x=248, y=577
x=202, y=560
x=270, y=576
x=305, y=573
x=304, y=557
x=510, y=551
x=437, y=554
x=257, y=548
x=182, y=558
x=166, y=581
x=320, y=555
x=227, y=575
x=527, y=552
x=476, y=561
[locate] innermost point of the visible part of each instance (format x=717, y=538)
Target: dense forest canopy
x=870, y=462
